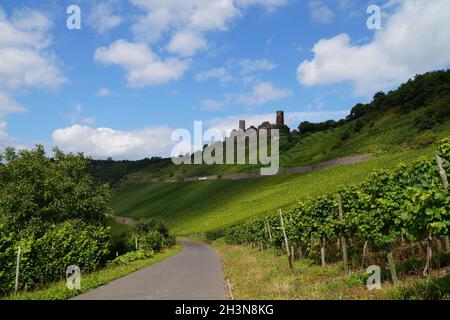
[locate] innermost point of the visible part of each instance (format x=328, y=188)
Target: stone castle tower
x=280, y=118
x=266, y=125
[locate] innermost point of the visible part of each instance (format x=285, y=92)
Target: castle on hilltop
x=266, y=124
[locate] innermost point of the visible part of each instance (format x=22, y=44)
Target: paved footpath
x=193, y=274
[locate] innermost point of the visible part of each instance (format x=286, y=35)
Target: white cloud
x=414, y=39
x=344, y=4
x=107, y=142
x=196, y=15
x=5, y=139
x=174, y=17
x=221, y=74
x=261, y=94
x=8, y=105
x=102, y=17
x=249, y=66
x=31, y=20
x=185, y=23
x=186, y=43
x=247, y=69
x=144, y=68
x=25, y=29
x=23, y=63
x=270, y=5
x=320, y=12
x=27, y=68
x=103, y=92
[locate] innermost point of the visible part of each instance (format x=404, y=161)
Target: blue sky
x=139, y=69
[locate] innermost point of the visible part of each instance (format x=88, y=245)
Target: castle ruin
x=280, y=118
x=266, y=124
x=242, y=125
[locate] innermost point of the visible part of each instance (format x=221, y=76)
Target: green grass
x=435, y=288
x=59, y=291
x=265, y=275
x=196, y=207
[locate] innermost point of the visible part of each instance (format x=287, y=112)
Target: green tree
x=37, y=191
x=152, y=234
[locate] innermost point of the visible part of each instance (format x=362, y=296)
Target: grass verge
x=265, y=275
x=59, y=291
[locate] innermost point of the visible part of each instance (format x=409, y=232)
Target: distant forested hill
x=110, y=171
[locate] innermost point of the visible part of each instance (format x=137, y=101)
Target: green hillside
x=196, y=207
x=399, y=126
x=410, y=117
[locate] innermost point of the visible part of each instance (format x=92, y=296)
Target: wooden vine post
x=19, y=252
x=444, y=180
x=392, y=268
x=322, y=251
x=426, y=270
x=364, y=254
x=268, y=231
x=343, y=242
x=300, y=250
x=286, y=242
x=291, y=220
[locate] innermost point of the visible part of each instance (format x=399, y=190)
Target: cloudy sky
x=138, y=69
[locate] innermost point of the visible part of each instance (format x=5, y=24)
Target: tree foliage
x=152, y=234
x=37, y=191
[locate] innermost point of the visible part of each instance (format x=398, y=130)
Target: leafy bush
x=152, y=240
x=129, y=257
x=152, y=234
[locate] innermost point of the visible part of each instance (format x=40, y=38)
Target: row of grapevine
x=410, y=203
x=45, y=258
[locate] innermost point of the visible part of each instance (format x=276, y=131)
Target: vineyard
x=398, y=219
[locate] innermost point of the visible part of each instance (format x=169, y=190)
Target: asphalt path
x=193, y=274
